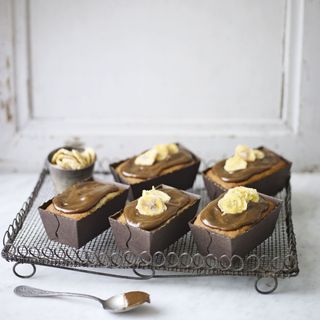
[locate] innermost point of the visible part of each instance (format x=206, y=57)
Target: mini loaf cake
x=235, y=223
x=81, y=212
x=69, y=165
x=259, y=168
x=154, y=221
x=169, y=164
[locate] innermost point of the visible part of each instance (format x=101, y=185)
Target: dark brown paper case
x=209, y=242
x=137, y=240
x=181, y=179
x=77, y=233
x=269, y=185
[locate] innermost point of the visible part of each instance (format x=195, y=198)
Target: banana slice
x=152, y=202
x=162, y=151
x=258, y=153
x=91, y=155
x=60, y=153
x=235, y=163
x=245, y=153
x=158, y=153
x=146, y=159
x=249, y=194
x=150, y=205
x=79, y=157
x=68, y=163
x=73, y=159
x=236, y=200
x=173, y=148
x=157, y=193
x=65, y=158
x=232, y=204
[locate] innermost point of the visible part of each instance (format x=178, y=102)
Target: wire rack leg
x=266, y=285
x=14, y=269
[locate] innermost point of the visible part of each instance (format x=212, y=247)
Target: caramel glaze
x=82, y=196
x=134, y=298
x=130, y=169
x=257, y=166
x=133, y=218
x=212, y=216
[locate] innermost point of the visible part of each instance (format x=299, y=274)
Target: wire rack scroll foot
x=266, y=285
x=24, y=276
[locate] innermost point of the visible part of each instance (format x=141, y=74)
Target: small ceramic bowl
x=64, y=178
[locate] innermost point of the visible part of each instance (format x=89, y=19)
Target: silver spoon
x=118, y=303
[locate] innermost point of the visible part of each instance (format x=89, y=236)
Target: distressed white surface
x=159, y=59
x=7, y=110
x=200, y=298
x=215, y=67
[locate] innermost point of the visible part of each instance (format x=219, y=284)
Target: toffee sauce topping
x=82, y=196
x=212, y=216
x=130, y=169
x=134, y=218
x=255, y=167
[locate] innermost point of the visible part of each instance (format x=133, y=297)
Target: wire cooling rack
x=26, y=241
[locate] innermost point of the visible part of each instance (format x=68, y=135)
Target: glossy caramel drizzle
x=178, y=200
x=130, y=169
x=82, y=196
x=257, y=166
x=212, y=216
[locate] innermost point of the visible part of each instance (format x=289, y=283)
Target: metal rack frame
x=25, y=242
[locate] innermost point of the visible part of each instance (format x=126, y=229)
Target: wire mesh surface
x=26, y=241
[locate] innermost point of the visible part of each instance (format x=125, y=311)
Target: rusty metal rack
x=26, y=242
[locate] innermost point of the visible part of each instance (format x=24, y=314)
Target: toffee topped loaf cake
x=170, y=164
x=235, y=223
x=154, y=221
x=259, y=168
x=81, y=212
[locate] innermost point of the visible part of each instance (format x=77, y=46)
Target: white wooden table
x=194, y=298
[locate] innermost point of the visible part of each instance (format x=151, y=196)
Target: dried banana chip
x=232, y=204
x=147, y=158
x=74, y=159
x=162, y=151
x=236, y=200
x=152, y=202
x=245, y=153
x=157, y=193
x=235, y=163
x=258, y=153
x=79, y=157
x=173, y=148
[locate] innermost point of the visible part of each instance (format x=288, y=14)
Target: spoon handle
x=26, y=291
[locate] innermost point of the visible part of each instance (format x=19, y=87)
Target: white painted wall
x=157, y=59
x=123, y=75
